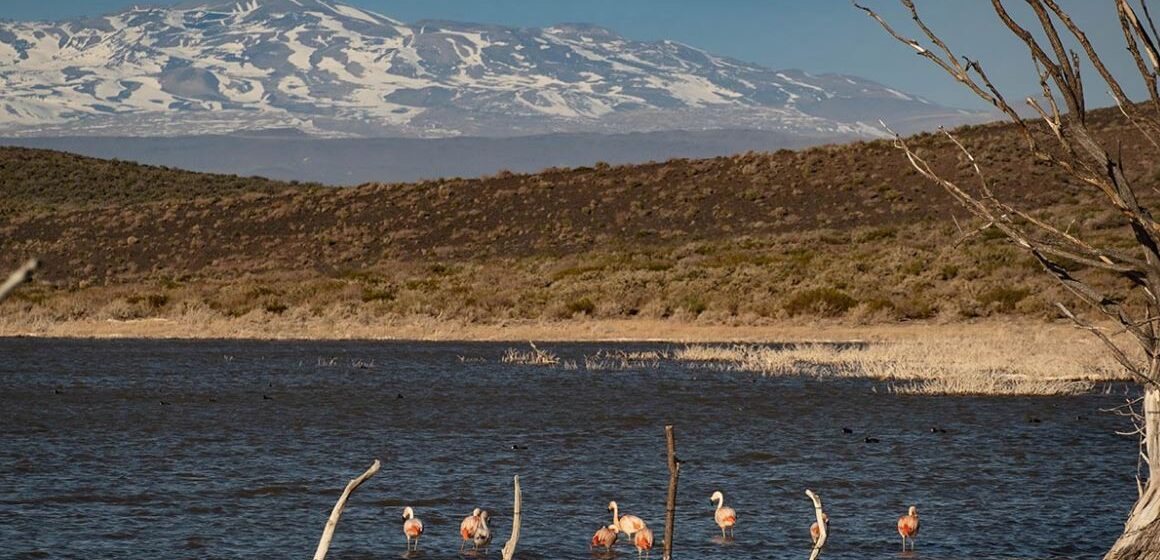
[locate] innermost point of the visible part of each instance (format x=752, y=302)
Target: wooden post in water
x=509, y=549
x=823, y=530
x=671, y=502
x=17, y=278
x=328, y=532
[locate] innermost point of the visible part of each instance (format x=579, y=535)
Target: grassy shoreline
x=422, y=328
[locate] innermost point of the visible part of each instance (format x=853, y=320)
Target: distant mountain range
x=332, y=70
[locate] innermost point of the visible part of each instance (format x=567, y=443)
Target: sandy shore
x=267, y=327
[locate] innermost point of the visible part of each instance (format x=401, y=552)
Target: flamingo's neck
x=720, y=502
x=616, y=516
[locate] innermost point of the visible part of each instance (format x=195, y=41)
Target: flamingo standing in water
x=627, y=524
x=467, y=527
x=725, y=517
x=412, y=527
x=605, y=536
x=908, y=527
x=482, y=536
x=643, y=539
x=816, y=532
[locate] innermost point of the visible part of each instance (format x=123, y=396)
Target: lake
x=136, y=449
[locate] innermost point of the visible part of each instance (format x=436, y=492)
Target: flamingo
x=725, y=517
x=482, y=536
x=908, y=527
x=605, y=536
x=467, y=527
x=643, y=541
x=412, y=527
x=627, y=524
x=815, y=531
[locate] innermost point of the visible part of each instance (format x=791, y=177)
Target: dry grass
x=1005, y=361
x=984, y=384
x=618, y=360
x=532, y=357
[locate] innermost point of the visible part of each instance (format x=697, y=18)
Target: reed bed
x=618, y=360
x=1000, y=363
x=531, y=357
x=992, y=385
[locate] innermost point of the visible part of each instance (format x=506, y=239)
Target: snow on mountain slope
x=332, y=69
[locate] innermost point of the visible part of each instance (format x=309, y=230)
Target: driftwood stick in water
x=823, y=530
x=328, y=532
x=509, y=549
x=671, y=501
x=17, y=278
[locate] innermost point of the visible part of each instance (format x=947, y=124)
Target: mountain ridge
x=336, y=70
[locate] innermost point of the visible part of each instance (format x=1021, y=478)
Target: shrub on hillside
x=825, y=302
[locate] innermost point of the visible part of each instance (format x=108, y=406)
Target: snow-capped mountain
x=332, y=69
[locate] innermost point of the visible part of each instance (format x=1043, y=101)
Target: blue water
x=224, y=449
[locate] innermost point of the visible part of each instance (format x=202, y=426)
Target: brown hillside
x=47, y=180
x=754, y=235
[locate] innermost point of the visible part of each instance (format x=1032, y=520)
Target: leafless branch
x=22, y=275
x=336, y=513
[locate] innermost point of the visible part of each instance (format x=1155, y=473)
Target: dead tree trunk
x=332, y=522
x=509, y=549
x=671, y=500
x=823, y=527
x=1141, y=537
x=1064, y=138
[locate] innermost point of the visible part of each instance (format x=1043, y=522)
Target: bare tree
x=1063, y=137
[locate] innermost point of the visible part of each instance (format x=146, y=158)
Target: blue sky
x=813, y=35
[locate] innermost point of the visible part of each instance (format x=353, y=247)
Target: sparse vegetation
x=619, y=360
x=740, y=240
x=532, y=357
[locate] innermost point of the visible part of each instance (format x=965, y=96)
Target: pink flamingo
x=467, y=527
x=643, y=541
x=412, y=527
x=605, y=536
x=482, y=536
x=627, y=524
x=908, y=527
x=725, y=517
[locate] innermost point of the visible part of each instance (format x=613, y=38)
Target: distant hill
x=290, y=155
x=834, y=230
x=43, y=180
